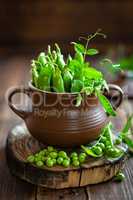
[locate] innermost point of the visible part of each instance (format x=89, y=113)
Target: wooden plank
x=65, y=194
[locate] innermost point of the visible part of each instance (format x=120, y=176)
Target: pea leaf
x=92, y=52
x=106, y=104
x=89, y=152
x=79, y=47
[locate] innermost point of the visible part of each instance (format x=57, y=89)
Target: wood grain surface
x=14, y=71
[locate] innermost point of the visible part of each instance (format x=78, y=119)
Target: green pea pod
x=34, y=77
x=58, y=84
x=79, y=57
x=67, y=78
x=77, y=86
x=42, y=59
x=89, y=152
x=106, y=104
x=60, y=60
x=44, y=78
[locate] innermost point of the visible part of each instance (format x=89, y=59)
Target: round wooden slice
x=20, y=144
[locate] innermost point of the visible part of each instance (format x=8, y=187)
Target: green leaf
x=89, y=152
x=79, y=47
x=106, y=104
x=92, y=52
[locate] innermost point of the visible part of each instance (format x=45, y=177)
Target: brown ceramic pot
x=54, y=119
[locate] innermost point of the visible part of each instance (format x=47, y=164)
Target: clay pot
x=55, y=120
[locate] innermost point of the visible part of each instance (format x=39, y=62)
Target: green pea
x=50, y=148
x=82, y=158
x=30, y=159
x=58, y=84
x=44, y=159
x=97, y=150
x=119, y=177
x=62, y=154
x=103, y=139
x=114, y=152
x=101, y=145
x=118, y=141
x=39, y=163
x=107, y=143
x=66, y=163
x=54, y=161
x=67, y=78
x=76, y=163
x=53, y=154
x=74, y=158
x=59, y=160
x=83, y=154
x=49, y=162
x=74, y=154
x=45, y=151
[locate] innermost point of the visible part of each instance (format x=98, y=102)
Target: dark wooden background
x=29, y=25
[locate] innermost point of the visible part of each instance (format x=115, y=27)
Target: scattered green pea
x=39, y=163
x=59, y=160
x=50, y=148
x=53, y=154
x=76, y=163
x=62, y=154
x=54, y=161
x=119, y=177
x=66, y=163
x=74, y=154
x=30, y=159
x=49, y=162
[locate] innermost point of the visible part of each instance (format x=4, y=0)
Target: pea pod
x=58, y=84
x=67, y=78
x=35, y=76
x=60, y=60
x=106, y=104
x=44, y=78
x=77, y=86
x=42, y=59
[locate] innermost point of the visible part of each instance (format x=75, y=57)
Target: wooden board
x=20, y=144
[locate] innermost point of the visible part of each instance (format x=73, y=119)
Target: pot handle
x=22, y=113
x=115, y=100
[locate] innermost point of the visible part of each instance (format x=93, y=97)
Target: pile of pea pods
x=51, y=72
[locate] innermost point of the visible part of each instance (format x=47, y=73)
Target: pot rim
x=56, y=93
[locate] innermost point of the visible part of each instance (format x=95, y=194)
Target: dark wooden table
x=14, y=72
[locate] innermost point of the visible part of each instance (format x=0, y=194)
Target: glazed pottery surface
x=54, y=118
